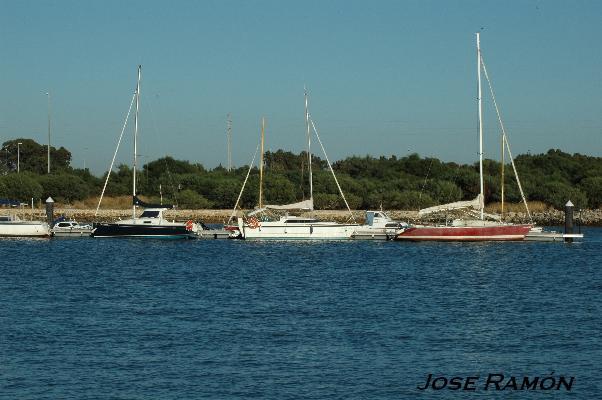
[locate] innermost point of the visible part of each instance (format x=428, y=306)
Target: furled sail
x=302, y=205
x=476, y=203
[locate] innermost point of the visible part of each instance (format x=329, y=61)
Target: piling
x=568, y=220
x=50, y=210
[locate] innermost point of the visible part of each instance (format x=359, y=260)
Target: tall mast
x=229, y=135
x=261, y=164
x=48, y=95
x=311, y=183
x=136, y=138
x=480, y=121
x=502, y=172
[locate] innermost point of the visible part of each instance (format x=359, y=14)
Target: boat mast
x=136, y=139
x=502, y=172
x=480, y=122
x=261, y=164
x=311, y=183
x=48, y=95
x=229, y=135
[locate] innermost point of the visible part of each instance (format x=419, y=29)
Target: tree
x=22, y=187
x=192, y=200
x=64, y=187
x=33, y=157
x=592, y=187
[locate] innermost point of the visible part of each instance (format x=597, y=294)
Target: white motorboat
x=206, y=232
x=71, y=228
x=13, y=226
x=379, y=226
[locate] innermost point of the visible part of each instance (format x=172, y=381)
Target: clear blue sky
x=385, y=77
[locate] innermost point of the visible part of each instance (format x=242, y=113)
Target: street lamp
x=19, y=156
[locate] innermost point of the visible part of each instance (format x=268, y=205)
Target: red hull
x=465, y=233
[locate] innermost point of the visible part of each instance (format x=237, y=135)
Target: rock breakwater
x=548, y=217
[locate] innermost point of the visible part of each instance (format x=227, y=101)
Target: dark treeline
x=406, y=183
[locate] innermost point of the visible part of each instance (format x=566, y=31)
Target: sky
x=384, y=77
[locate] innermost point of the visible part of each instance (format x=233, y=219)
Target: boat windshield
x=150, y=214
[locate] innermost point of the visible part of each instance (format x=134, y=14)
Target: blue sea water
x=139, y=319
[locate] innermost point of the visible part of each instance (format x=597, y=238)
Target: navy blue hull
x=142, y=231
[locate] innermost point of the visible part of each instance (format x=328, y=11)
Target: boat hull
x=214, y=234
x=374, y=234
x=320, y=231
x=465, y=233
x=24, y=229
x=71, y=232
x=106, y=230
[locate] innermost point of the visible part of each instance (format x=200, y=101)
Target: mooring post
x=49, y=210
x=568, y=220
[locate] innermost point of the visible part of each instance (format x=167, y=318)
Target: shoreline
x=211, y=216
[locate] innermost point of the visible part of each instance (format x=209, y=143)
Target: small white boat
x=379, y=226
x=71, y=228
x=538, y=234
x=13, y=226
x=205, y=232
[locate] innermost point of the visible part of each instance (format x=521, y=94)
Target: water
x=134, y=319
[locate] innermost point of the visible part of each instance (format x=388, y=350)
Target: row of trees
x=410, y=182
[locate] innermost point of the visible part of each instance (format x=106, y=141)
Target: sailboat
x=261, y=223
x=151, y=223
x=464, y=229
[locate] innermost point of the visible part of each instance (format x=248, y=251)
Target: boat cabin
x=377, y=218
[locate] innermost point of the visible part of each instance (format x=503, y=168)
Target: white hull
x=71, y=232
x=24, y=229
x=213, y=234
x=374, y=234
x=302, y=231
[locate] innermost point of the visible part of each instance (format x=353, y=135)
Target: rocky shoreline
x=548, y=217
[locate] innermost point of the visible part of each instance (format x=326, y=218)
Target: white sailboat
x=263, y=224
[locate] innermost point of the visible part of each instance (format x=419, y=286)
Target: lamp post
x=19, y=157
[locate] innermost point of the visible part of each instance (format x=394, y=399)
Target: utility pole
x=19, y=156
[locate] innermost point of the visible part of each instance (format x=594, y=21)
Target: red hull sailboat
x=476, y=228
x=465, y=233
